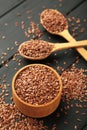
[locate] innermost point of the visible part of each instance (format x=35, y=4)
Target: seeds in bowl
x=53, y=20
x=37, y=84
x=35, y=49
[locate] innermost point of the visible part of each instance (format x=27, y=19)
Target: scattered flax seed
x=8, y=48
x=65, y=122
x=15, y=68
x=75, y=127
x=1, y=86
x=60, y=2
x=78, y=119
x=12, y=119
x=8, y=85
x=38, y=83
x=54, y=127
x=60, y=68
x=78, y=20
x=64, y=63
x=12, y=48
x=6, y=94
x=6, y=24
x=82, y=30
x=84, y=20
x=4, y=53
x=3, y=37
x=78, y=105
x=58, y=115
x=16, y=24
x=76, y=25
x=22, y=24
x=6, y=65
x=19, y=64
x=18, y=14
x=16, y=43
x=2, y=62
x=74, y=85
x=28, y=11
x=2, y=57
x=4, y=75
x=33, y=30
x=77, y=112
x=29, y=17
x=84, y=113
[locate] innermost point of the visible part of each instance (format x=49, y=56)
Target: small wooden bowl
x=36, y=111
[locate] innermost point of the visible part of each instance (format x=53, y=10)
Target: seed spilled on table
x=35, y=49
x=37, y=85
x=74, y=84
x=12, y=119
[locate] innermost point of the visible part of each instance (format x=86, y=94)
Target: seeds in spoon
x=36, y=49
x=53, y=20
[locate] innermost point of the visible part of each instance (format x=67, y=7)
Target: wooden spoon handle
x=62, y=46
x=82, y=51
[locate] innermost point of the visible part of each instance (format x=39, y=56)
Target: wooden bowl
x=36, y=111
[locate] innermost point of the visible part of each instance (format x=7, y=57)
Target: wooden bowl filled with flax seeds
x=37, y=90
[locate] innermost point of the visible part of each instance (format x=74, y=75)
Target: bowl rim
x=41, y=105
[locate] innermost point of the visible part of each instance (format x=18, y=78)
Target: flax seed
x=36, y=48
x=74, y=85
x=39, y=85
x=53, y=21
x=12, y=119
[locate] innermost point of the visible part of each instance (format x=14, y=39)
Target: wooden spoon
x=47, y=19
x=39, y=49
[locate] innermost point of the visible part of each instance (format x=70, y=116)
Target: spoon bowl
x=55, y=23
x=39, y=49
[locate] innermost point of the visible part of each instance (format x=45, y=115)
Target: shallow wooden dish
x=36, y=111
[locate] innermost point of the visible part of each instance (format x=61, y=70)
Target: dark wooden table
x=15, y=19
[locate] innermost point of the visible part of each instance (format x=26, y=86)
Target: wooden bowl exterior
x=36, y=111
